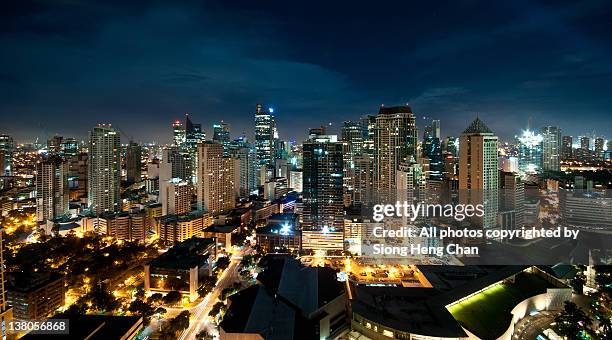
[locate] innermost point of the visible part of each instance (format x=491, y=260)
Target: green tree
x=173, y=297
x=223, y=262
x=216, y=309
x=156, y=298
x=572, y=321
x=144, y=309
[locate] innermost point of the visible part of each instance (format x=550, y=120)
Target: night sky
x=66, y=65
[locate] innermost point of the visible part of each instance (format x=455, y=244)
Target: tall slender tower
x=104, y=170
x=6, y=312
x=478, y=175
x=133, y=163
x=395, y=140
x=551, y=148
x=51, y=188
x=264, y=135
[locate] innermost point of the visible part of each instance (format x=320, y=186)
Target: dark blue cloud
x=67, y=65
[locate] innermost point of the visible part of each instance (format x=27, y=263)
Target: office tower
x=54, y=144
x=245, y=167
x=7, y=147
x=585, y=143
x=431, y=149
x=104, y=170
x=395, y=140
x=215, y=179
x=178, y=133
x=599, y=147
x=411, y=184
x=264, y=135
x=478, y=176
x=193, y=134
x=322, y=183
x=69, y=147
x=133, y=163
x=530, y=152
x=435, y=128
x=451, y=145
x=77, y=175
x=369, y=125
x=175, y=196
x=566, y=149
x=353, y=135
x=512, y=200
x=51, y=188
x=221, y=135
x=551, y=148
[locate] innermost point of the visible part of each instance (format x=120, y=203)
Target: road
x=531, y=325
x=199, y=313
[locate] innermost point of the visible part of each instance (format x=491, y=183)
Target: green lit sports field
x=487, y=314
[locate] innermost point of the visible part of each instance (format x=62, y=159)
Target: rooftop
x=185, y=255
x=97, y=327
x=394, y=109
x=477, y=126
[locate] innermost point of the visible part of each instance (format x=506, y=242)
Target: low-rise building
x=182, y=267
x=35, y=295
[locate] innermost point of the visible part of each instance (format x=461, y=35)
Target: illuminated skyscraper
x=551, y=148
x=599, y=147
x=435, y=128
x=530, y=152
x=322, y=183
x=221, y=135
x=585, y=143
x=133, y=163
x=6, y=155
x=264, y=135
x=215, y=189
x=478, y=175
x=52, y=191
x=566, y=148
x=193, y=134
x=178, y=132
x=395, y=140
x=432, y=150
x=104, y=170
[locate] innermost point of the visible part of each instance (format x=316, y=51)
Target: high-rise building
x=322, y=184
x=512, y=200
x=352, y=140
x=216, y=192
x=362, y=180
x=567, y=148
x=245, y=169
x=54, y=144
x=193, y=134
x=175, y=196
x=133, y=163
x=585, y=143
x=432, y=151
x=178, y=133
x=69, y=147
x=435, y=128
x=530, y=152
x=104, y=170
x=411, y=184
x=369, y=126
x=174, y=164
x=7, y=145
x=599, y=147
x=6, y=312
x=551, y=148
x=52, y=191
x=395, y=140
x=221, y=135
x=265, y=128
x=478, y=175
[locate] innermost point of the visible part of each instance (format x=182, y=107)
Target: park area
x=487, y=314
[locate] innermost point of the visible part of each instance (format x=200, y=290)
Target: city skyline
x=140, y=66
